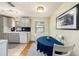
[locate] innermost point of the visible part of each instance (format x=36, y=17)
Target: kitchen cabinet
x=5, y=23
x=23, y=37
x=17, y=37
x=9, y=22
x=13, y=37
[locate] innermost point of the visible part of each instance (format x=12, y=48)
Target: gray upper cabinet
x=9, y=22
x=6, y=23
x=24, y=22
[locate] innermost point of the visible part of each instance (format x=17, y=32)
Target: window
x=39, y=26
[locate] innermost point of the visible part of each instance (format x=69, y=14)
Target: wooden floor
x=26, y=49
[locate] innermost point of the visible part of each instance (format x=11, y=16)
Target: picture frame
x=69, y=19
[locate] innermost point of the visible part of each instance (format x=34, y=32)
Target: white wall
x=71, y=36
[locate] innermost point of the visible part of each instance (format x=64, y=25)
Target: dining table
x=45, y=44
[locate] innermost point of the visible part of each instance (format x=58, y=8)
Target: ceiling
x=28, y=8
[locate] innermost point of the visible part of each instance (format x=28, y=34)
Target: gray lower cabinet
x=12, y=37
x=16, y=37
x=28, y=36
x=1, y=36
x=6, y=36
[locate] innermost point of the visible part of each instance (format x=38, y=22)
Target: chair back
x=63, y=49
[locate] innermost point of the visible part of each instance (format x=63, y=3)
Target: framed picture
x=69, y=19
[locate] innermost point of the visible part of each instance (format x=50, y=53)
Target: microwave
x=25, y=29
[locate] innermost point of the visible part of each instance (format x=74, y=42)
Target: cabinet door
x=9, y=22
x=6, y=36
x=14, y=37
x=25, y=22
x=23, y=38
x=1, y=36
x=28, y=36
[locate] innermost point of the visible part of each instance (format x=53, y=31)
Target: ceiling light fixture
x=40, y=9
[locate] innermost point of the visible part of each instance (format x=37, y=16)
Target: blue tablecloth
x=46, y=45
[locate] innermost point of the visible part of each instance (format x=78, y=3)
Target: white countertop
x=2, y=40
x=16, y=32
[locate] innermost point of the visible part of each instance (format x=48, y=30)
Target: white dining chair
x=62, y=50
